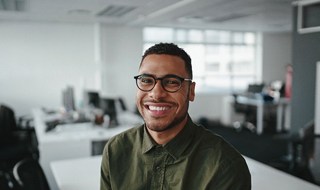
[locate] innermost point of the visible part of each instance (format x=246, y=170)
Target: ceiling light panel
x=116, y=10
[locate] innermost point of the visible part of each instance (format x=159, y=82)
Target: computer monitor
x=255, y=88
x=68, y=99
x=92, y=99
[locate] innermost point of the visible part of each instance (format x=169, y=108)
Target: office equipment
x=72, y=140
x=29, y=175
x=113, y=107
x=88, y=175
x=108, y=106
x=68, y=99
x=92, y=99
x=255, y=88
x=283, y=111
x=249, y=111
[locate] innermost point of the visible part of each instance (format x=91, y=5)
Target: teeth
x=156, y=108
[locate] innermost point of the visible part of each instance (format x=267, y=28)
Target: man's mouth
x=158, y=108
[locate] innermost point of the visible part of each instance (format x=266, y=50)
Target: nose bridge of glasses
x=160, y=82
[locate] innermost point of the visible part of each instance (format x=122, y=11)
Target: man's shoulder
x=210, y=140
x=207, y=136
x=215, y=146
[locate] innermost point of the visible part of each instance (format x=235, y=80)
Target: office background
x=38, y=60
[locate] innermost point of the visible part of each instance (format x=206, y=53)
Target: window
x=223, y=61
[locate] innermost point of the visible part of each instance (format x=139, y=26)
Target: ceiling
x=245, y=15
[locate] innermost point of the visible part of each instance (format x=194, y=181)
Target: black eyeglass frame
x=161, y=79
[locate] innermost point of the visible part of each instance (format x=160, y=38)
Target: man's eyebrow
x=162, y=76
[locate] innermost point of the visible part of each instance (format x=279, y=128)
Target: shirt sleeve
x=233, y=176
x=105, y=172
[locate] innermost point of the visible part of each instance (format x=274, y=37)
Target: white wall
x=121, y=56
x=38, y=60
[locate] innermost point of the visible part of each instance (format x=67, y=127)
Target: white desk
x=84, y=174
x=68, y=141
x=283, y=111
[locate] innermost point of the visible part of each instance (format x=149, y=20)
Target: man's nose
x=157, y=91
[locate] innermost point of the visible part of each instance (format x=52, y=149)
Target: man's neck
x=164, y=137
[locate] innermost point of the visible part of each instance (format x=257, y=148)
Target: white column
x=98, y=57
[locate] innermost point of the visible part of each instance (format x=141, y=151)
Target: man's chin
x=158, y=126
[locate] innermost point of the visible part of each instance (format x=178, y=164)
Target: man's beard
x=174, y=123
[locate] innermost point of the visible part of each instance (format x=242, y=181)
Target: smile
x=158, y=108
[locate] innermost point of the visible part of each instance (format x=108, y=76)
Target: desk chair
x=248, y=110
x=17, y=141
x=249, y=116
x=108, y=105
x=30, y=176
x=301, y=146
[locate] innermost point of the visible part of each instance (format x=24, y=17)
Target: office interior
x=40, y=59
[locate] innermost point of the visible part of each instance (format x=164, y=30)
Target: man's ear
x=192, y=91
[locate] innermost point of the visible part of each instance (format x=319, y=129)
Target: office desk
x=69, y=141
x=84, y=174
x=283, y=111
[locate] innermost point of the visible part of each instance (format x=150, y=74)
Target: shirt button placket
x=158, y=169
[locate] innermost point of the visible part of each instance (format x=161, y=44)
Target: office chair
x=29, y=175
x=249, y=116
x=16, y=142
x=249, y=111
x=300, y=151
x=108, y=105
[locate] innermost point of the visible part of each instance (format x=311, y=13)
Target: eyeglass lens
x=169, y=83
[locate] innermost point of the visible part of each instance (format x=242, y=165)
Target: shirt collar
x=177, y=145
x=148, y=142
x=180, y=143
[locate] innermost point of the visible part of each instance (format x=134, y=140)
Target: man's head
x=170, y=49
x=165, y=87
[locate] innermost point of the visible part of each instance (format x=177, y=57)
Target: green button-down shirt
x=195, y=159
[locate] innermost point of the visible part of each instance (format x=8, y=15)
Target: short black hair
x=170, y=49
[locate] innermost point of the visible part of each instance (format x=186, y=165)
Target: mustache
x=158, y=101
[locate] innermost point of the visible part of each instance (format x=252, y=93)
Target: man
x=169, y=151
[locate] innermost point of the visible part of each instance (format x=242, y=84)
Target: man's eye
x=146, y=80
x=172, y=82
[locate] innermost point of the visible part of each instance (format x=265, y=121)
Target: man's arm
x=105, y=172
x=235, y=176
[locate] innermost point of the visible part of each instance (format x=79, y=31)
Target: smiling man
x=170, y=151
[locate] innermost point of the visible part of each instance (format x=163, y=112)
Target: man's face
x=160, y=109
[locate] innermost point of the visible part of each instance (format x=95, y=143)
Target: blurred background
x=254, y=62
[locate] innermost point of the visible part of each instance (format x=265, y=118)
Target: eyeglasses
x=170, y=83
